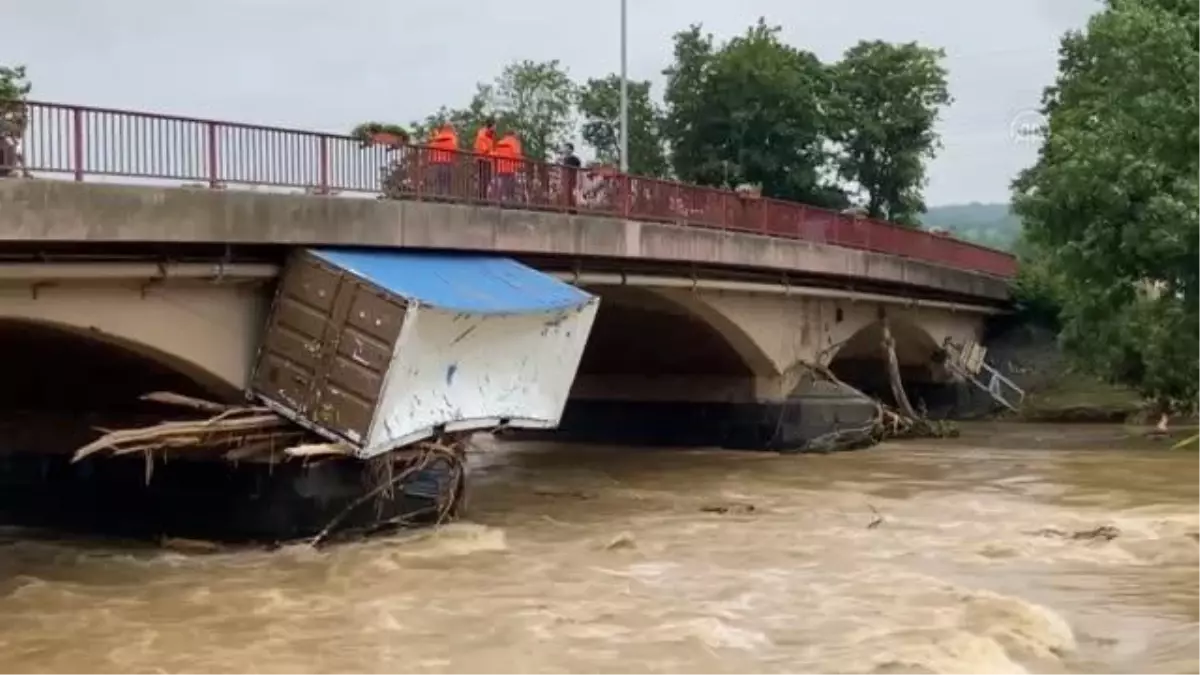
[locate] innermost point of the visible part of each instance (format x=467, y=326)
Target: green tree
x=1111, y=204
x=14, y=83
x=14, y=87
x=883, y=108
x=600, y=107
x=466, y=121
x=536, y=100
x=749, y=112
x=684, y=100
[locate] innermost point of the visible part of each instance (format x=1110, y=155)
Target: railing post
x=323, y=171
x=213, y=177
x=419, y=164
x=77, y=136
x=763, y=206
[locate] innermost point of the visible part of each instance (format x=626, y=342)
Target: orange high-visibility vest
x=443, y=145
x=508, y=154
x=485, y=142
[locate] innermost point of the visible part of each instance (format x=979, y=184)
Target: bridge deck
x=42, y=214
x=79, y=143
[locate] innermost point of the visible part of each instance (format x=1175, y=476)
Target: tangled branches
x=248, y=433
x=236, y=433
x=445, y=457
x=887, y=423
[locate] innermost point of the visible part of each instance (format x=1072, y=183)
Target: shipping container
x=384, y=348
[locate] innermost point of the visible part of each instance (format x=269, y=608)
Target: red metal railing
x=79, y=141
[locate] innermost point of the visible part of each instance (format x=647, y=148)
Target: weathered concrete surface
x=46, y=210
x=733, y=369
x=205, y=330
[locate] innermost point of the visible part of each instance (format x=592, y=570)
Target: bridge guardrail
x=79, y=141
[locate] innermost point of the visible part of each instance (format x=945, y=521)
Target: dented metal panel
x=327, y=346
x=474, y=371
x=384, y=348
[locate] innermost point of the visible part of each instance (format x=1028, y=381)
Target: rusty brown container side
x=327, y=347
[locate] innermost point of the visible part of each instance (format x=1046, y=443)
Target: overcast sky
x=328, y=65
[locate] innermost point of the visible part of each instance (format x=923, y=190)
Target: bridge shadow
x=862, y=362
x=62, y=385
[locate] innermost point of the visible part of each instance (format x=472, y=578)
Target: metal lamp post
x=624, y=94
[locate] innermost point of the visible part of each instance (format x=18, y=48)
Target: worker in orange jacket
x=443, y=148
x=508, y=160
x=485, y=146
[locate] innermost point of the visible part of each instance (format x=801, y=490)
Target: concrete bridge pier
x=732, y=365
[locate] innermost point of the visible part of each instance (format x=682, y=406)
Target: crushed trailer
x=380, y=349
x=373, y=369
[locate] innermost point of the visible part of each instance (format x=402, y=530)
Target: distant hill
x=991, y=225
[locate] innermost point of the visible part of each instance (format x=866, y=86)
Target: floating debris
x=248, y=433
x=1100, y=533
x=245, y=432
x=623, y=540
x=729, y=508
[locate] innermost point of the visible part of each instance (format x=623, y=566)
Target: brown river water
x=957, y=556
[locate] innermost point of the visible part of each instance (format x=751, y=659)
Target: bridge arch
x=860, y=360
x=665, y=366
x=666, y=345
x=204, y=332
x=68, y=368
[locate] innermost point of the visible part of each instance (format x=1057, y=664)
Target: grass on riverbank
x=1075, y=397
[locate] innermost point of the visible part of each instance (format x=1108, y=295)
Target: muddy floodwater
x=1012, y=548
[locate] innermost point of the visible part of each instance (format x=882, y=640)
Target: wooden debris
x=886, y=424
x=231, y=432
x=624, y=540
x=728, y=508
x=190, y=545
x=223, y=432
x=893, y=368
x=236, y=433
x=877, y=519
x=403, y=465
x=171, y=398
x=320, y=450
x=1101, y=533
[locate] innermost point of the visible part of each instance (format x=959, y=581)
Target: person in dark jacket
x=571, y=165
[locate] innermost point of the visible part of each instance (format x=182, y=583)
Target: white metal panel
x=468, y=371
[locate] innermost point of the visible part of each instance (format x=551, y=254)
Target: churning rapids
x=1011, y=548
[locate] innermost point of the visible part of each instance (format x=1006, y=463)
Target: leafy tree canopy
x=752, y=110
x=600, y=108
x=534, y=99
x=749, y=112
x=1111, y=205
x=14, y=83
x=882, y=111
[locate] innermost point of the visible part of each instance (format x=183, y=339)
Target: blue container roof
x=479, y=284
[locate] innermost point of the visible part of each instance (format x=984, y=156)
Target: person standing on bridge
x=508, y=158
x=485, y=146
x=570, y=173
x=443, y=147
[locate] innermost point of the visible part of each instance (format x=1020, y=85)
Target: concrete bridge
x=714, y=307
x=139, y=253
x=703, y=337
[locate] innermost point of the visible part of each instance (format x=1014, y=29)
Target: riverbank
x=1054, y=390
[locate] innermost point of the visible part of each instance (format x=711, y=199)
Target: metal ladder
x=967, y=361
